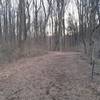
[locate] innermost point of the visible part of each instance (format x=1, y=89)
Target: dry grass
x=29, y=49
x=55, y=76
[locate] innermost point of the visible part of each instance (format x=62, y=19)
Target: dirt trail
x=55, y=76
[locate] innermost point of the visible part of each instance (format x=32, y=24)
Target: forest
x=49, y=49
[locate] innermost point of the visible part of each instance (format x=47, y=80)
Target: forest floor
x=53, y=76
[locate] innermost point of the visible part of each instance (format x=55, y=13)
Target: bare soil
x=54, y=76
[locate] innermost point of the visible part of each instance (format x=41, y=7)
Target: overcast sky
x=70, y=9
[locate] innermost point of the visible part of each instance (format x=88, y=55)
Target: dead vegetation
x=29, y=49
x=54, y=76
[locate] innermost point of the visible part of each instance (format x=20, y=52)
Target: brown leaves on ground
x=54, y=76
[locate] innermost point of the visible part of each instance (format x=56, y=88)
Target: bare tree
x=21, y=20
x=36, y=13
x=47, y=15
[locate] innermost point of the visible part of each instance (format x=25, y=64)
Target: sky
x=70, y=9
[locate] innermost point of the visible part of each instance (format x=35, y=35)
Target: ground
x=54, y=76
